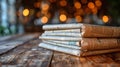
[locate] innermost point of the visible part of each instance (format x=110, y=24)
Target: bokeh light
x=63, y=17
x=78, y=18
x=45, y=6
x=77, y=5
x=63, y=3
x=26, y=12
x=91, y=5
x=105, y=18
x=98, y=3
x=44, y=19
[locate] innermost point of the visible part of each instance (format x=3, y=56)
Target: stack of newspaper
x=81, y=39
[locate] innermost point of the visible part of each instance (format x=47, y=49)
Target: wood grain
x=65, y=60
x=15, y=41
x=27, y=55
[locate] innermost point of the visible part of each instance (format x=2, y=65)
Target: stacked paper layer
x=81, y=39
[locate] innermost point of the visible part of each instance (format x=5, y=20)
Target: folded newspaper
x=86, y=30
x=81, y=39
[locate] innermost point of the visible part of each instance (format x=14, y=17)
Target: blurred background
x=28, y=16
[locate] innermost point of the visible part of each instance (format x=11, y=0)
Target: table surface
x=26, y=53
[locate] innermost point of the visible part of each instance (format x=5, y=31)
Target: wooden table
x=26, y=53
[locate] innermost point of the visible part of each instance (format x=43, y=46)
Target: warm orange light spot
x=78, y=18
x=105, y=18
x=77, y=5
x=63, y=17
x=26, y=12
x=91, y=5
x=45, y=7
x=63, y=3
x=44, y=19
x=98, y=3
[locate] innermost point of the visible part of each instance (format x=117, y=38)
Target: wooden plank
x=35, y=57
x=10, y=56
x=18, y=37
x=27, y=55
x=65, y=60
x=17, y=52
x=8, y=45
x=104, y=60
x=100, y=59
x=7, y=38
x=40, y=57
